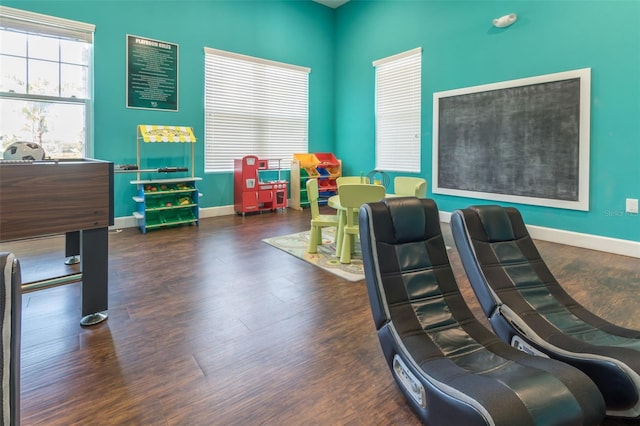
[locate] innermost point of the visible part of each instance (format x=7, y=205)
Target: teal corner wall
x=461, y=48
x=296, y=32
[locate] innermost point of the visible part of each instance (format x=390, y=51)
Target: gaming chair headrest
x=495, y=221
x=408, y=219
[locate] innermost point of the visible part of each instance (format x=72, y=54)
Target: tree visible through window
x=45, y=82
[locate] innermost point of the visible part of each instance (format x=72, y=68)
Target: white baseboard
x=131, y=222
x=216, y=211
x=124, y=222
x=593, y=242
x=576, y=239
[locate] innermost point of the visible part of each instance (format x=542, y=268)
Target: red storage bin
x=327, y=159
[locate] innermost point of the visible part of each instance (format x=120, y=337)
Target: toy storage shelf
x=166, y=202
x=161, y=202
x=323, y=166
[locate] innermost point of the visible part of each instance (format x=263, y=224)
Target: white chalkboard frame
x=583, y=103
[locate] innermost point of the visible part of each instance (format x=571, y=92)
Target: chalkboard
x=523, y=141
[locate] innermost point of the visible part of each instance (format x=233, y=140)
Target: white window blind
x=398, y=111
x=253, y=106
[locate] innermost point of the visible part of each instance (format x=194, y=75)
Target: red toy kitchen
x=250, y=192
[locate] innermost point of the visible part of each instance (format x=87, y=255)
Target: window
x=398, y=103
x=253, y=107
x=45, y=82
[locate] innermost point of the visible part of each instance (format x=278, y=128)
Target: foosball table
x=71, y=197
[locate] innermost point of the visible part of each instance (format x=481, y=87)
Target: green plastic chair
x=351, y=198
x=410, y=186
x=344, y=180
x=348, y=180
x=318, y=221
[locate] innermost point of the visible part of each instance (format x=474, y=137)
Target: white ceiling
x=332, y=3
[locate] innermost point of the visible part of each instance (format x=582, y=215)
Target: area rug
x=325, y=258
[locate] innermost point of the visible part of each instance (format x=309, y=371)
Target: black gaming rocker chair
x=451, y=369
x=528, y=308
x=10, y=343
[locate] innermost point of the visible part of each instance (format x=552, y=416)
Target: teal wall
x=296, y=32
x=461, y=49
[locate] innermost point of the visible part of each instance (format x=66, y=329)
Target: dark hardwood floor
x=210, y=326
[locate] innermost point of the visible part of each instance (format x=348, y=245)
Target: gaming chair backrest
x=501, y=260
x=405, y=259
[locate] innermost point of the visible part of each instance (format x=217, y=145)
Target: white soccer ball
x=24, y=151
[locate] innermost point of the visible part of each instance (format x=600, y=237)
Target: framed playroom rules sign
x=152, y=74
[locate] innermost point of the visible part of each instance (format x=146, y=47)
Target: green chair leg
x=347, y=248
x=313, y=240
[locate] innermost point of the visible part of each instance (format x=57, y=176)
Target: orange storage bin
x=306, y=160
x=312, y=172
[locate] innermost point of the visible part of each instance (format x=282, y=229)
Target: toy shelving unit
x=321, y=165
x=165, y=202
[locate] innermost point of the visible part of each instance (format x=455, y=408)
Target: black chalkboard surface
x=521, y=142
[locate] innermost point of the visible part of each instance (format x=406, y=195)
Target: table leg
x=95, y=275
x=72, y=248
x=342, y=219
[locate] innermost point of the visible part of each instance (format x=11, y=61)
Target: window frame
x=37, y=24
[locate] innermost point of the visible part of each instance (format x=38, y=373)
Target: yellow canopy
x=151, y=133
